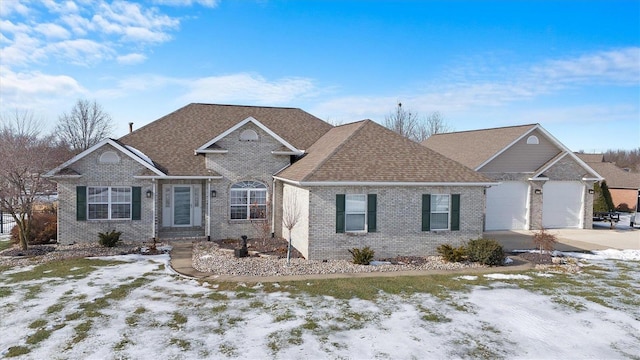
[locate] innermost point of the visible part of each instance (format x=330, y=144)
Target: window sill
x=246, y=221
x=356, y=233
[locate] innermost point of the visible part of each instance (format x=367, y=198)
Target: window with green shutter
x=440, y=212
x=356, y=213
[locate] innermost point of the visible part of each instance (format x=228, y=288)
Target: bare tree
x=414, y=127
x=86, y=125
x=26, y=155
x=435, y=125
x=291, y=214
x=402, y=121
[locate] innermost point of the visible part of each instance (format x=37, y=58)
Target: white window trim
x=110, y=202
x=433, y=211
x=249, y=192
x=347, y=212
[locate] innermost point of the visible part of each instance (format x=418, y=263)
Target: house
x=542, y=183
x=214, y=171
x=624, y=185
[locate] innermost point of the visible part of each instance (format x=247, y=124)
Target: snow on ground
x=165, y=316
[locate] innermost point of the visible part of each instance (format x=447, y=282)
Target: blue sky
x=572, y=66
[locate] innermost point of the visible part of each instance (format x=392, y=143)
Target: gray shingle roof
x=365, y=151
x=171, y=140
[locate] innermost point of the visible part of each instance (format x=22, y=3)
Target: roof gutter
x=383, y=183
x=177, y=177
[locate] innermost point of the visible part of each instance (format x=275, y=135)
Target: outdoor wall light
x=591, y=191
x=213, y=193
x=149, y=194
x=537, y=191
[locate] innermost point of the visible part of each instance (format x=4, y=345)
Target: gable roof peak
x=534, y=125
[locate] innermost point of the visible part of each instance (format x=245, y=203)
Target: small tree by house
x=26, y=156
x=291, y=215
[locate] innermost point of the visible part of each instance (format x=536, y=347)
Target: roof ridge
x=335, y=150
x=249, y=106
x=485, y=129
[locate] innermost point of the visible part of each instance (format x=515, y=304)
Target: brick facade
x=244, y=161
x=399, y=220
x=94, y=173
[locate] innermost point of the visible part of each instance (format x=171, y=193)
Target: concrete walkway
x=568, y=240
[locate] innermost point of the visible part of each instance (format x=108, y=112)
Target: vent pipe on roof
x=130, y=127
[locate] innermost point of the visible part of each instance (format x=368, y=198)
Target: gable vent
x=249, y=135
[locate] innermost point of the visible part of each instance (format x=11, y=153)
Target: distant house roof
x=171, y=140
x=366, y=152
x=615, y=177
x=473, y=148
x=591, y=158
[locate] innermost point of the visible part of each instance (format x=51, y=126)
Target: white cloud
x=82, y=52
x=38, y=92
x=79, y=25
x=61, y=7
x=134, y=23
x=465, y=88
x=52, y=31
x=248, y=88
x=87, y=32
x=616, y=66
x=8, y=7
x=207, y=3
x=131, y=59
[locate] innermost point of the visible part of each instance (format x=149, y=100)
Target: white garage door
x=507, y=206
x=562, y=204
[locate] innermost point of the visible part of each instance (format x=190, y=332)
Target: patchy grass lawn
x=135, y=307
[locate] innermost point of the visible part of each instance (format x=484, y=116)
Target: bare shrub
x=544, y=240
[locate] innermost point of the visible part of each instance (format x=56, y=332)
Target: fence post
x=1, y=222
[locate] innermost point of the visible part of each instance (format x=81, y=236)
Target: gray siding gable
x=522, y=157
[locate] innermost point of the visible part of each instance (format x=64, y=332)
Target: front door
x=182, y=206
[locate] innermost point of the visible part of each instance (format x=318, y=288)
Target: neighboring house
x=542, y=183
x=213, y=171
x=624, y=185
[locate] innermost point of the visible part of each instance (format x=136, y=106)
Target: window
x=108, y=203
x=356, y=213
x=533, y=140
x=109, y=157
x=248, y=201
x=440, y=212
x=249, y=135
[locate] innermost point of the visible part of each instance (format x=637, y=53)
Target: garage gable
x=527, y=154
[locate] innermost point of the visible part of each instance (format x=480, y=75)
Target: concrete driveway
x=598, y=238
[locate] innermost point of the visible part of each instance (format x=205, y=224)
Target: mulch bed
x=536, y=258
x=271, y=246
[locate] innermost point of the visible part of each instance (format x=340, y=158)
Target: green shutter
x=426, y=212
x=340, y=205
x=371, y=212
x=455, y=212
x=136, y=203
x=81, y=203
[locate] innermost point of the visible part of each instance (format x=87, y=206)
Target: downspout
x=208, y=196
x=155, y=217
x=273, y=207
